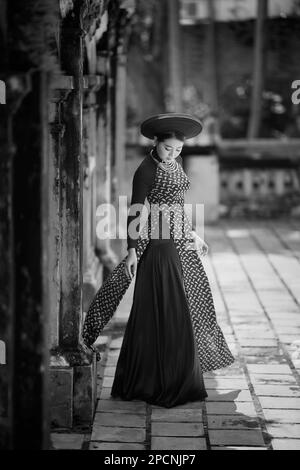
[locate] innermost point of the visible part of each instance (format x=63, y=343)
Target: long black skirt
x=158, y=361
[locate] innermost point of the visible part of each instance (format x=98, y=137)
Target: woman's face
x=169, y=148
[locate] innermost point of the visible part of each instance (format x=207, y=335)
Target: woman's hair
x=169, y=135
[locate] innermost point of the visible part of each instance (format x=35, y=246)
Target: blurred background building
x=231, y=63
x=80, y=76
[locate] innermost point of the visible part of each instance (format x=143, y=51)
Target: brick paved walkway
x=254, y=271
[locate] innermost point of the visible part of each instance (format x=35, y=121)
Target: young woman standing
x=172, y=335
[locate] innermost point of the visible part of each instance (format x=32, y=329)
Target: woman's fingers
x=127, y=271
x=198, y=246
x=201, y=247
x=130, y=269
x=205, y=249
x=133, y=268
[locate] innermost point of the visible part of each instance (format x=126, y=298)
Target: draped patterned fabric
x=167, y=194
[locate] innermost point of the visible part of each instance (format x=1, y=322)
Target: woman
x=172, y=335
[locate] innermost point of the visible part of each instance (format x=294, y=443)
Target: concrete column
x=203, y=172
x=174, y=57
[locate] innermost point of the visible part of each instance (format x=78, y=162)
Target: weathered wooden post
x=174, y=66
x=258, y=70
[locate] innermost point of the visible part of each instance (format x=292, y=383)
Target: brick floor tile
x=247, y=325
x=247, y=342
x=224, y=383
x=282, y=416
x=71, y=441
x=269, y=368
x=108, y=381
x=284, y=430
x=291, y=329
x=117, y=434
x=236, y=437
x=286, y=444
x=228, y=395
x=227, y=408
x=237, y=375
x=116, y=343
x=232, y=422
x=122, y=406
x=113, y=353
x=281, y=403
x=101, y=341
x=237, y=448
x=288, y=339
x=94, y=445
x=275, y=379
x=260, y=351
x=178, y=443
x=277, y=390
x=180, y=416
x=105, y=393
x=177, y=429
x=254, y=334
x=120, y=419
x=112, y=361
x=192, y=405
x=109, y=371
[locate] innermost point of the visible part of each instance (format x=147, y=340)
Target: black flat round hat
x=186, y=124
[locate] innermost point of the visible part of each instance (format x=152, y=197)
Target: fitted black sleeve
x=143, y=180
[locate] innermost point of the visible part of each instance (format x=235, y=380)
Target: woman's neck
x=155, y=154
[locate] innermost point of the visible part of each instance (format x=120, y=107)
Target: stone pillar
x=92, y=267
x=61, y=372
x=7, y=276
x=73, y=368
x=24, y=319
x=60, y=87
x=103, y=193
x=120, y=90
x=105, y=64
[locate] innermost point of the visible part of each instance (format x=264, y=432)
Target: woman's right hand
x=131, y=263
